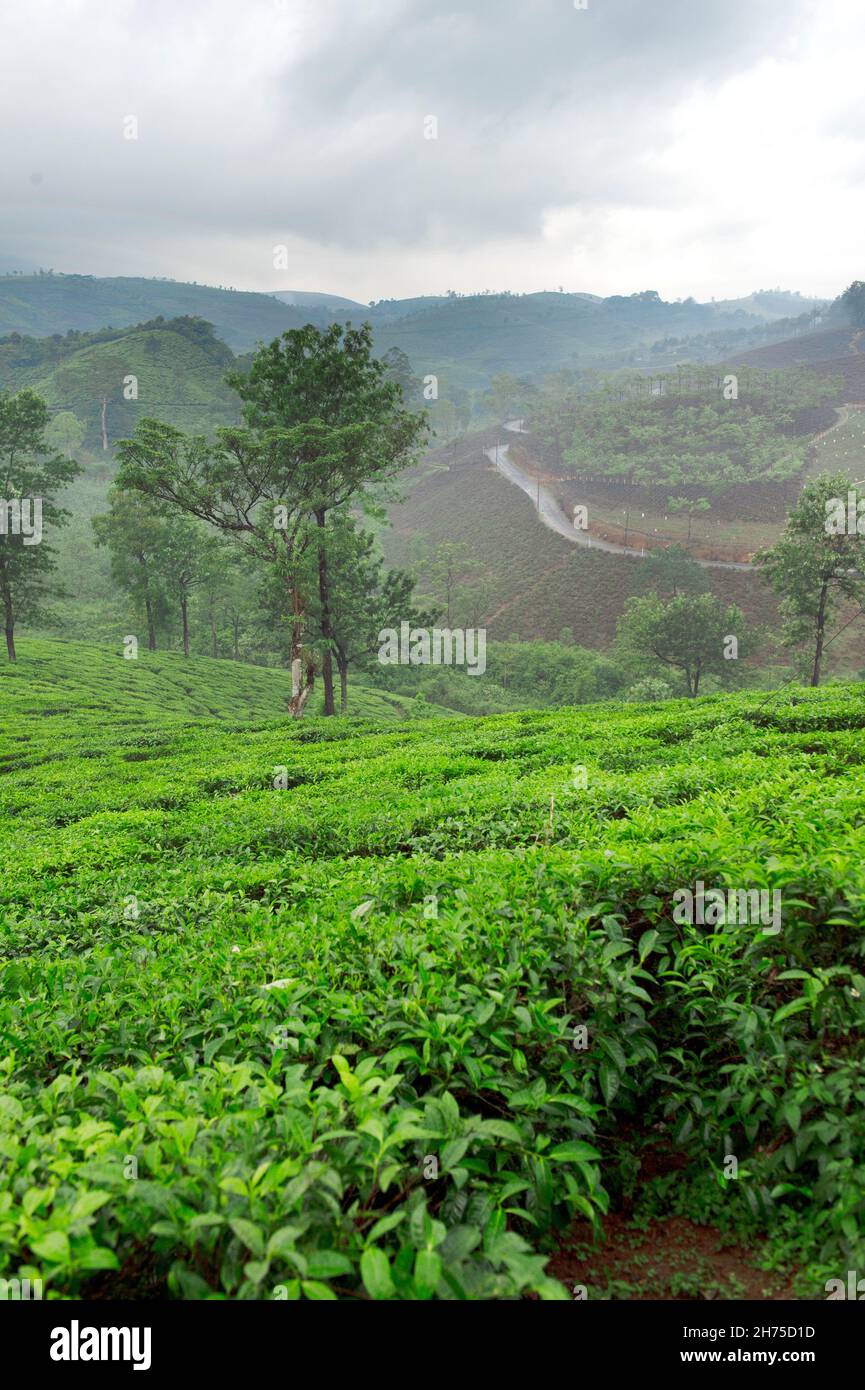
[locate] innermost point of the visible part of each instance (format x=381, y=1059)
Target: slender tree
x=134, y=533
x=818, y=563
x=31, y=473
x=188, y=557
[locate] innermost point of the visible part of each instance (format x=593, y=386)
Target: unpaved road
x=553, y=515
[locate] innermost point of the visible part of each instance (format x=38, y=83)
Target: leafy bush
x=326, y=1041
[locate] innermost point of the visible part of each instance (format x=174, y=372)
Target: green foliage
x=815, y=565
x=690, y=633
x=31, y=474
x=319, y=1042
x=677, y=428
x=519, y=675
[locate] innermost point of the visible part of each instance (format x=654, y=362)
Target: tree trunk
x=343, y=683
x=105, y=424
x=300, y=690
x=326, y=626
x=184, y=613
x=151, y=626
x=214, y=645
x=821, y=625
x=9, y=611
x=235, y=623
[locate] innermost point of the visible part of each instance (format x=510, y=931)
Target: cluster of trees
x=680, y=428
x=815, y=570
x=325, y=431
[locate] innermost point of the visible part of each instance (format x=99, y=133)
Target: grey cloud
x=305, y=121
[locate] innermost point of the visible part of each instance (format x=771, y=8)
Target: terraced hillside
x=386, y=1028
x=834, y=352
x=53, y=684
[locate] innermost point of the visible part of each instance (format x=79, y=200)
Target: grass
x=322, y=1038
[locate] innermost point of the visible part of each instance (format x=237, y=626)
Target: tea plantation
x=376, y=1009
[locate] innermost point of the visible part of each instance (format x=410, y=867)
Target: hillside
x=40, y=305
x=466, y=339
x=55, y=684
x=389, y=1032
x=835, y=352
x=539, y=582
x=179, y=369
x=336, y=304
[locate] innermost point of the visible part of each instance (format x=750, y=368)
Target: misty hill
x=773, y=304
x=179, y=369
x=307, y=299
x=837, y=352
x=465, y=339
x=40, y=305
x=468, y=339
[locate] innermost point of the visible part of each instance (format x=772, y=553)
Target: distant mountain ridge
x=42, y=305
x=464, y=340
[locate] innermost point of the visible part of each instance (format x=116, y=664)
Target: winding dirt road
x=552, y=514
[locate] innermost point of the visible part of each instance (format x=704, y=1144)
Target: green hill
x=469, y=339
x=466, y=339
x=56, y=684
x=40, y=305
x=385, y=1032
x=179, y=369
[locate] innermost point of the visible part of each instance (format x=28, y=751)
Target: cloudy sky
x=706, y=147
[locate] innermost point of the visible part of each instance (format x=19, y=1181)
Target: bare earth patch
x=670, y=1259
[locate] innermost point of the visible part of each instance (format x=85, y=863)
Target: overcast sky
x=706, y=147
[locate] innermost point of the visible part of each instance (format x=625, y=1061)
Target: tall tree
x=852, y=302
x=134, y=533
x=224, y=595
x=188, y=557
x=31, y=473
x=818, y=563
x=330, y=377
x=691, y=506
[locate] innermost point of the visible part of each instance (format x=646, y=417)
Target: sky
x=387, y=148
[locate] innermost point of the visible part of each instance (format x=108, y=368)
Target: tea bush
x=322, y=1039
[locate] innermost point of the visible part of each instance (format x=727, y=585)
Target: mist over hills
x=465, y=339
